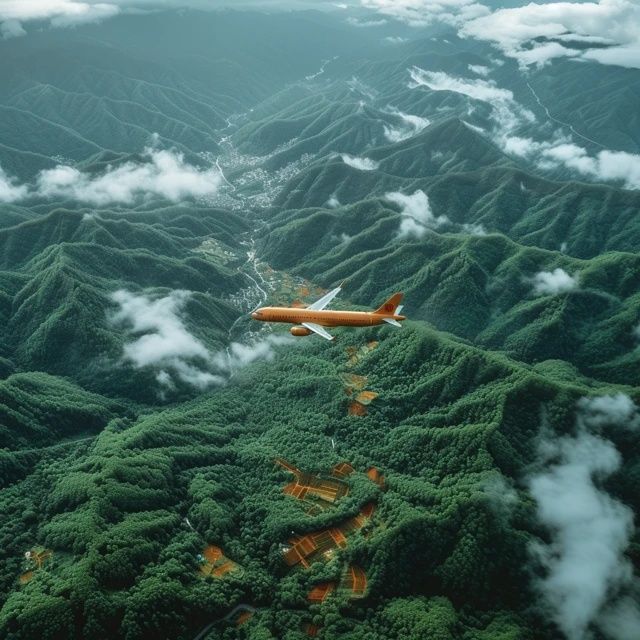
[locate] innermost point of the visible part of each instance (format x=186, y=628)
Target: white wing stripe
x=318, y=305
x=316, y=328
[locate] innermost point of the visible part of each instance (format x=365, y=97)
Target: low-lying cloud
x=605, y=166
x=588, y=575
x=507, y=112
x=161, y=341
x=553, y=282
x=165, y=343
x=417, y=216
x=164, y=174
x=10, y=190
x=408, y=126
x=362, y=164
x=509, y=115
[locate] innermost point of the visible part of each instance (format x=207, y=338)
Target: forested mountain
x=171, y=469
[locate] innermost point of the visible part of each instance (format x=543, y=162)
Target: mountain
x=175, y=470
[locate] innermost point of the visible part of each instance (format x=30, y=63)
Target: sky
x=532, y=33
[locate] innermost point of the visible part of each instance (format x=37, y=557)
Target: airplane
x=315, y=317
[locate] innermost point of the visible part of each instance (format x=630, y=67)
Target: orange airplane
x=315, y=317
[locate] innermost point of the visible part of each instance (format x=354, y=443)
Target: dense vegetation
x=131, y=478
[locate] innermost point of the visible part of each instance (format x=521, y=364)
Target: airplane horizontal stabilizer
x=392, y=322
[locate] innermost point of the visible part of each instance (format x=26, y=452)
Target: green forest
x=172, y=470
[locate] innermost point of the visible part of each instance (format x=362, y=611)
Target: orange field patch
x=245, y=616
x=357, y=409
x=354, y=581
x=212, y=553
x=26, y=577
x=353, y=382
x=288, y=466
x=215, y=564
x=375, y=476
x=321, y=592
x=312, y=630
x=308, y=486
x=356, y=354
x=366, y=397
x=342, y=470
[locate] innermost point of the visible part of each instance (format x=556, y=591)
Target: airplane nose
x=255, y=315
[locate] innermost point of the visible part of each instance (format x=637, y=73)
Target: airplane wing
x=316, y=328
x=318, y=305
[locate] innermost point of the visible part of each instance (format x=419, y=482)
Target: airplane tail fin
x=390, y=307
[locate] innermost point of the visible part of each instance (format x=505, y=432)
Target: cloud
x=11, y=29
x=165, y=343
x=587, y=571
x=616, y=410
x=416, y=213
x=165, y=174
x=553, y=282
x=421, y=13
x=479, y=69
x=240, y=355
x=507, y=112
x=59, y=13
x=355, y=22
x=162, y=341
x=509, y=116
x=362, y=164
x=562, y=152
x=333, y=202
x=532, y=33
x=409, y=126
x=395, y=40
x=10, y=191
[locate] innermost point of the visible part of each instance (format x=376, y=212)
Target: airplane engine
x=300, y=331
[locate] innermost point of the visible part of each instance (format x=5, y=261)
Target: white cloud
x=10, y=191
x=409, y=126
x=161, y=341
x=420, y=13
x=333, y=202
x=416, y=213
x=479, y=69
x=590, y=531
x=509, y=116
x=166, y=174
x=362, y=164
x=355, y=22
x=240, y=355
x=617, y=410
x=508, y=113
x=11, y=29
x=520, y=32
x=60, y=13
x=395, y=40
x=553, y=282
x=165, y=343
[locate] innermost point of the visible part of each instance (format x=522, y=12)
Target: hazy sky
x=533, y=33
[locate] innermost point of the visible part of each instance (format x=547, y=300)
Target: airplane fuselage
x=325, y=317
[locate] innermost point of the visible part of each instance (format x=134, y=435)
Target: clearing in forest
x=34, y=559
x=317, y=488
x=321, y=592
x=214, y=564
x=354, y=582
x=356, y=354
x=321, y=545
